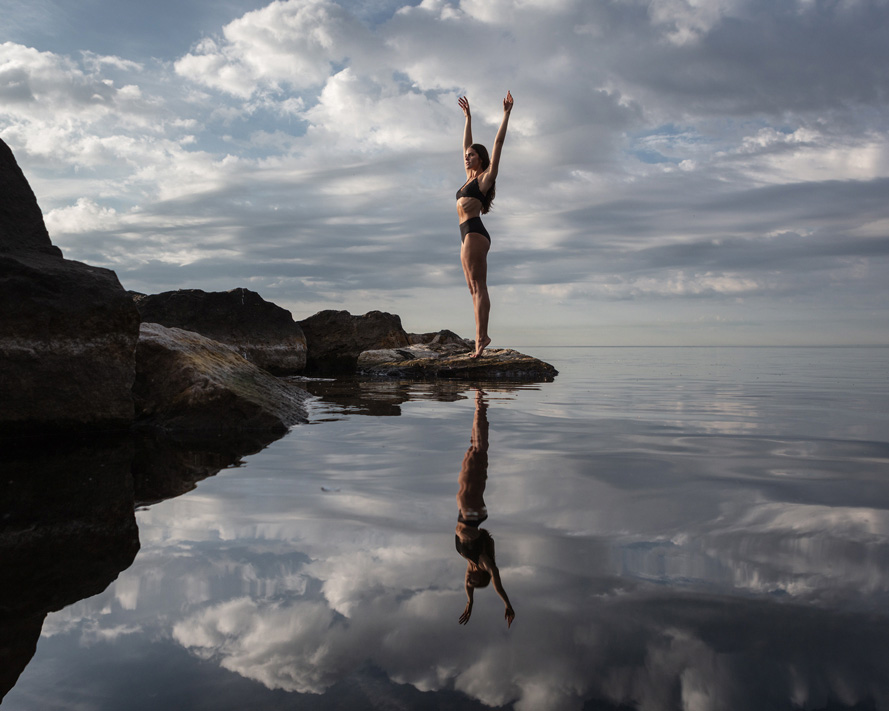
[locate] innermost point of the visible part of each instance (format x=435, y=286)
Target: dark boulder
x=187, y=382
x=262, y=332
x=68, y=331
x=335, y=339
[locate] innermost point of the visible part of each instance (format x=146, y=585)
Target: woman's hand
x=510, y=616
x=467, y=613
x=507, y=103
x=464, y=104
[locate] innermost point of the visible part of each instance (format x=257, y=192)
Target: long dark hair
x=485, y=159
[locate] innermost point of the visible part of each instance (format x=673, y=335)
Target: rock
x=187, y=382
x=68, y=331
x=443, y=337
x=262, y=332
x=453, y=361
x=335, y=339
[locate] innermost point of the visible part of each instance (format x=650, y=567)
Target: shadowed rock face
x=262, y=332
x=336, y=338
x=186, y=382
x=68, y=330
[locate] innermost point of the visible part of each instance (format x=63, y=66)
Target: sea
x=674, y=528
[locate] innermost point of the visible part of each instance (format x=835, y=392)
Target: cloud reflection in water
x=652, y=565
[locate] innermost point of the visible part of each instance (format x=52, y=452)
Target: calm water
x=675, y=528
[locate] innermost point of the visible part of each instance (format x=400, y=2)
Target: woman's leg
x=474, y=257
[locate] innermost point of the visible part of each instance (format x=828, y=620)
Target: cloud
x=288, y=44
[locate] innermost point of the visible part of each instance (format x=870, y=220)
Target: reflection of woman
x=474, y=199
x=474, y=543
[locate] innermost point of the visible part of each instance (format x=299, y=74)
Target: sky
x=676, y=172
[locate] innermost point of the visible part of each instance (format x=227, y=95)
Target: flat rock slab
x=431, y=361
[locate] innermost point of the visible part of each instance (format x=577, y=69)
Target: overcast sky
x=676, y=171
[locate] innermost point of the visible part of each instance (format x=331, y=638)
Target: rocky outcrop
x=187, y=382
x=262, y=332
x=335, y=339
x=68, y=330
x=430, y=361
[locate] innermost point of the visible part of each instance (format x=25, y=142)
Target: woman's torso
x=469, y=202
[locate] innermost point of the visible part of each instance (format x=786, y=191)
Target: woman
x=474, y=543
x=474, y=199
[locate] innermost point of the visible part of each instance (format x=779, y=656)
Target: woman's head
x=477, y=159
x=482, y=153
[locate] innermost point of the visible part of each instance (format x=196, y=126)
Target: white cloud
x=84, y=216
x=288, y=44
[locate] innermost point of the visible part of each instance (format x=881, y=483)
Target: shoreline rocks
x=76, y=360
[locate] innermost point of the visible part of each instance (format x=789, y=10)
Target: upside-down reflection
x=472, y=542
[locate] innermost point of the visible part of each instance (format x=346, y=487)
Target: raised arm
x=501, y=136
x=467, y=128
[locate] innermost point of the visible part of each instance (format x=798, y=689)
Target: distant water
x=676, y=528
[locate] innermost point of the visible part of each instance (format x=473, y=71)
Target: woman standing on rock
x=474, y=199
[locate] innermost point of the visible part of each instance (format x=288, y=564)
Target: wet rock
x=335, y=339
x=187, y=382
x=453, y=361
x=68, y=330
x=262, y=332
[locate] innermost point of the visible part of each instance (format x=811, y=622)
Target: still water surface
x=692, y=528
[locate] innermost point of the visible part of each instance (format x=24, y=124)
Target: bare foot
x=482, y=345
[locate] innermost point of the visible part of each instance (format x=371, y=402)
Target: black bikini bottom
x=473, y=224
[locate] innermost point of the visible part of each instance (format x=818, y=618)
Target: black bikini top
x=471, y=190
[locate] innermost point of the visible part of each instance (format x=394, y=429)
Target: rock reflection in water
x=67, y=518
x=383, y=397
x=474, y=543
x=67, y=528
